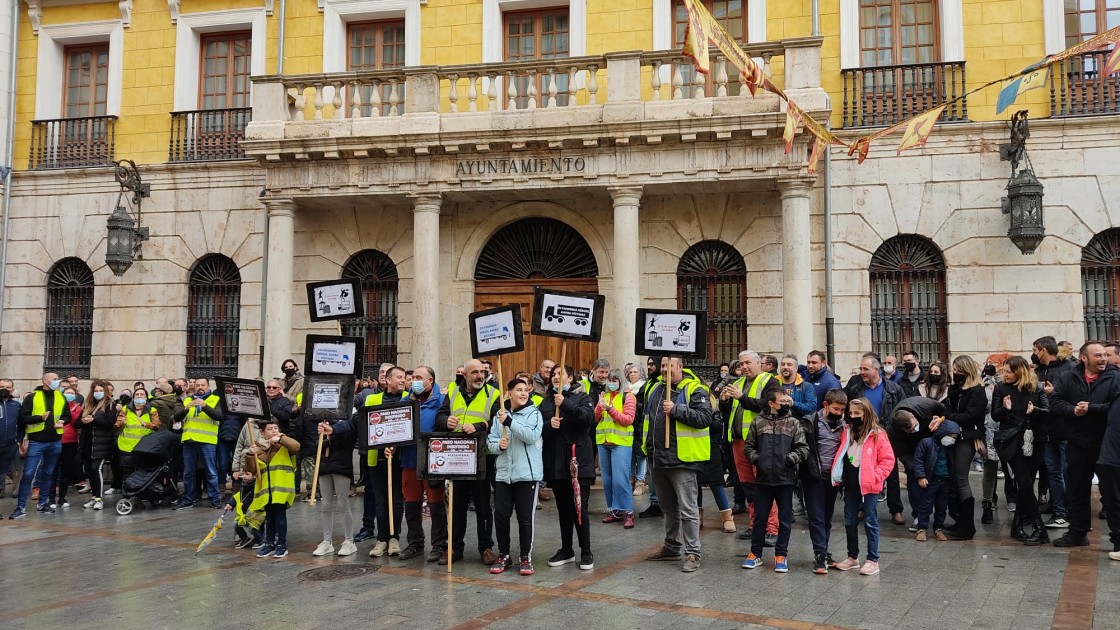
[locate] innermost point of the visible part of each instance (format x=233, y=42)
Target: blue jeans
x=225, y=460
x=932, y=498
x=192, y=451
x=820, y=502
x=1054, y=457
x=614, y=463
x=869, y=503
x=718, y=493
x=41, y=457
x=640, y=464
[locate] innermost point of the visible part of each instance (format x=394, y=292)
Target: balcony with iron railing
x=514, y=104
x=888, y=95
x=208, y=135
x=72, y=142
x=1078, y=89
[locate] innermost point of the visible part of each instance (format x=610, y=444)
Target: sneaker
x=780, y=564
x=654, y=510
x=348, y=548
x=526, y=566
x=43, y=507
x=84, y=489
x=379, y=549
x=1057, y=523
x=664, y=553
x=501, y=564
x=820, y=564
x=394, y=547
x=1011, y=508
x=846, y=564
x=435, y=555
x=18, y=513
x=88, y=504
x=752, y=562
x=109, y=491
x=35, y=494
x=1067, y=540
x=770, y=540
x=281, y=552
x=1114, y=555
x=939, y=535
x=243, y=543
x=323, y=549
x=691, y=563
x=628, y=522
x=921, y=537
x=612, y=517
x=883, y=496
x=869, y=568
x=914, y=527
x=411, y=552
x=54, y=506
x=183, y=505
x=364, y=533
x=829, y=562
x=561, y=557
x=257, y=544
x=640, y=488
x=586, y=561
x=265, y=551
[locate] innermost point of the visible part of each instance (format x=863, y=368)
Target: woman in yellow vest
x=134, y=421
x=614, y=436
x=272, y=462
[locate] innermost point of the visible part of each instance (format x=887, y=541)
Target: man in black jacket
x=912, y=421
x=1048, y=367
x=1080, y=402
x=884, y=396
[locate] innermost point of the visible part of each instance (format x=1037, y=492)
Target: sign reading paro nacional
x=520, y=166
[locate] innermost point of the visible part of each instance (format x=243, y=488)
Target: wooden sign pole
x=389, y=483
x=450, y=521
x=315, y=477
x=669, y=380
x=501, y=384
x=563, y=369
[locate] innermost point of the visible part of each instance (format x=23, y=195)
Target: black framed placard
x=568, y=314
x=333, y=354
x=452, y=456
x=393, y=424
x=334, y=299
x=327, y=397
x=243, y=397
x=673, y=333
x=496, y=331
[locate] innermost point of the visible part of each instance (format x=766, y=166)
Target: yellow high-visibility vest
x=276, y=481
x=133, y=430
x=201, y=428
x=741, y=419
x=607, y=431
x=39, y=407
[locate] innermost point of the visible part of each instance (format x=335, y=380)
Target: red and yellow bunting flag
x=918, y=129
x=819, y=147
x=1111, y=36
x=697, y=34
x=793, y=117
x=703, y=28
x=1113, y=64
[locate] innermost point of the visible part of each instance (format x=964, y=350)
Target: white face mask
x=888, y=369
x=948, y=440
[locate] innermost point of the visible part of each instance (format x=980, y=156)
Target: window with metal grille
x=536, y=248
x=712, y=277
x=69, y=329
x=1100, y=283
x=213, y=317
x=378, y=277
x=908, y=299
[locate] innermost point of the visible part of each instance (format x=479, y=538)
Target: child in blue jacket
x=931, y=466
x=516, y=440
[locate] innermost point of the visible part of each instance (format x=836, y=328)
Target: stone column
x=425, y=262
x=798, y=305
x=278, y=302
x=627, y=272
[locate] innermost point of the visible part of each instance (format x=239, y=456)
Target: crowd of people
x=787, y=438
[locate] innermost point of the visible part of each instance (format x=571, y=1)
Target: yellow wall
x=1001, y=36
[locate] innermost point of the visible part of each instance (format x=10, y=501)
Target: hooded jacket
x=11, y=433
x=695, y=412
x=776, y=446
x=523, y=459
x=338, y=454
x=925, y=456
x=577, y=415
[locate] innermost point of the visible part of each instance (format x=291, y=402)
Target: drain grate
x=337, y=573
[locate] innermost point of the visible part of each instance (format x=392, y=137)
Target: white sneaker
x=1114, y=555
x=394, y=547
x=109, y=491
x=54, y=506
x=65, y=504
x=348, y=548
x=99, y=504
x=88, y=504
x=323, y=549
x=379, y=549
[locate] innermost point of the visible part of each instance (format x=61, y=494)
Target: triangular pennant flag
x=819, y=147
x=919, y=128
x=1030, y=81
x=697, y=35
x=793, y=116
x=1113, y=63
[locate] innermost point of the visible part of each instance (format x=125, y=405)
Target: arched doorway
x=529, y=253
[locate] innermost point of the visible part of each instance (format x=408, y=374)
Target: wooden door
x=494, y=293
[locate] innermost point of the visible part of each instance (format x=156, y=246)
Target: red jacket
x=876, y=463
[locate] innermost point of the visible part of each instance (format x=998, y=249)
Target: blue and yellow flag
x=1031, y=80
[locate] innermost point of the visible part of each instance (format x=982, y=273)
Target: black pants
x=1081, y=463
x=894, y=492
x=1110, y=496
x=566, y=510
x=1025, y=468
x=66, y=472
x=97, y=476
x=522, y=497
x=380, y=474
x=478, y=491
x=764, y=499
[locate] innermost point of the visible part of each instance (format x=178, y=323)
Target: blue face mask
x=55, y=384
x=98, y=395
x=567, y=386
x=417, y=387
x=70, y=397
x=139, y=402
x=612, y=386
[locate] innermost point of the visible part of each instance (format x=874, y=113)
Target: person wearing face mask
x=991, y=458
x=910, y=375
x=10, y=433
x=68, y=467
x=863, y=462
x=293, y=380
x=1020, y=405
x=98, y=428
x=134, y=422
x=822, y=433
x=936, y=383
x=776, y=446
x=426, y=389
x=931, y=467
x=614, y=437
x=884, y=395
x=890, y=369
x=43, y=416
x=1049, y=369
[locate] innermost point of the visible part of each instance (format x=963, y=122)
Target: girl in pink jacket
x=863, y=462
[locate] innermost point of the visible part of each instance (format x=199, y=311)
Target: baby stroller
x=151, y=481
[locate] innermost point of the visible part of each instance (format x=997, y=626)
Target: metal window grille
x=908, y=299
x=536, y=249
x=213, y=317
x=1100, y=283
x=69, y=326
x=379, y=282
x=712, y=277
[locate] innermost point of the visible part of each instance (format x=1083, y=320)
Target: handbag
x=1007, y=441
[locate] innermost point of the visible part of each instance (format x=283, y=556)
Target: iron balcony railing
x=888, y=95
x=72, y=142
x=1078, y=89
x=208, y=134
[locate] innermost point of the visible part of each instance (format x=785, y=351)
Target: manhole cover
x=337, y=573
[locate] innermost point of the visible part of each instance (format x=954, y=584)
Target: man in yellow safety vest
x=42, y=417
x=201, y=418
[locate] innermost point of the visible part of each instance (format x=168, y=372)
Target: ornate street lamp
x=1024, y=192
x=125, y=235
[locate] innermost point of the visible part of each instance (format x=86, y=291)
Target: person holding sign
x=336, y=471
x=273, y=467
x=518, y=468
x=686, y=408
x=614, y=435
x=426, y=390
x=570, y=415
x=469, y=406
